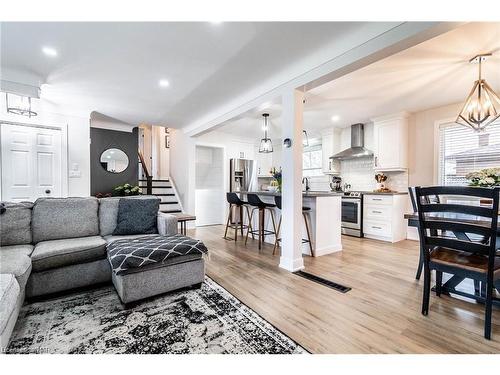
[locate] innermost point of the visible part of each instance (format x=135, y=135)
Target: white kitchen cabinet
x=390, y=142
x=241, y=150
x=330, y=145
x=383, y=217
x=264, y=164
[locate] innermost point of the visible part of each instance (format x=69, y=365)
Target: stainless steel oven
x=352, y=214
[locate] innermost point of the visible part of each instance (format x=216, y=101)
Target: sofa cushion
x=108, y=214
x=59, y=218
x=137, y=216
x=58, y=253
x=23, y=249
x=9, y=292
x=15, y=224
x=16, y=263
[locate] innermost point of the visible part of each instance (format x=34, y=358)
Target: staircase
x=163, y=189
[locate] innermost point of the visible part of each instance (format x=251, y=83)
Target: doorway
x=209, y=186
x=32, y=162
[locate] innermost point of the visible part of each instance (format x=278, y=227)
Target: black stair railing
x=149, y=178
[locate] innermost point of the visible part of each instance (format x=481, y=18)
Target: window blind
x=461, y=151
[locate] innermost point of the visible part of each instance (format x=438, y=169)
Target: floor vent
x=325, y=282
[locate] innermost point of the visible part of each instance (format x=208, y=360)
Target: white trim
x=437, y=158
x=64, y=151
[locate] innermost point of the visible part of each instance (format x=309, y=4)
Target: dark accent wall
x=102, y=181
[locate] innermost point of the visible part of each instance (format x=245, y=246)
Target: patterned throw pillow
x=137, y=216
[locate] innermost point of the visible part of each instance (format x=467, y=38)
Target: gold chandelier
x=482, y=105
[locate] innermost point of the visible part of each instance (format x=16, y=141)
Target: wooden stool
x=305, y=212
x=254, y=200
x=236, y=203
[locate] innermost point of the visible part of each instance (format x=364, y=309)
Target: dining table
x=450, y=286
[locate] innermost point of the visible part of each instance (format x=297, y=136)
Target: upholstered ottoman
x=151, y=265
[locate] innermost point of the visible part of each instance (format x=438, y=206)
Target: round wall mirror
x=114, y=160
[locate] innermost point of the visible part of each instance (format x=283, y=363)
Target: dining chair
x=413, y=199
x=472, y=256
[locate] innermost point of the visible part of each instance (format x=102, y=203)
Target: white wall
x=78, y=139
x=422, y=164
x=182, y=168
x=210, y=195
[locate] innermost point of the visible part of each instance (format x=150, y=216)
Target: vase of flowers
x=488, y=177
x=277, y=175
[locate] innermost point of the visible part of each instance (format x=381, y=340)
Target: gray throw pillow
x=137, y=216
x=15, y=223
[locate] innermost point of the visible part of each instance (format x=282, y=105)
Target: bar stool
x=305, y=211
x=255, y=201
x=235, y=201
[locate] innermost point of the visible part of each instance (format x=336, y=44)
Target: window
x=462, y=151
x=312, y=161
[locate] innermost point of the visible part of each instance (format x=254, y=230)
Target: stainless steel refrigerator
x=242, y=175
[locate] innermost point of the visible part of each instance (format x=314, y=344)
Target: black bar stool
x=305, y=211
x=235, y=202
x=254, y=200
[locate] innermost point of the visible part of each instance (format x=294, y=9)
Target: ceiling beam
x=396, y=39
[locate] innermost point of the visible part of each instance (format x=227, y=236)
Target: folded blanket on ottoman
x=128, y=254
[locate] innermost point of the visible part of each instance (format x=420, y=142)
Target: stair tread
x=165, y=195
x=170, y=211
x=155, y=180
x=169, y=202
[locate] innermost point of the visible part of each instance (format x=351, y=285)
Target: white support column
x=292, y=222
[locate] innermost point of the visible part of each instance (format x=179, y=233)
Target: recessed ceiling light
x=163, y=83
x=335, y=118
x=49, y=51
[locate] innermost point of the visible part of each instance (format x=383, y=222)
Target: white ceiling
x=431, y=74
x=114, y=68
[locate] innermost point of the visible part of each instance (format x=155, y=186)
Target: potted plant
x=126, y=190
x=277, y=175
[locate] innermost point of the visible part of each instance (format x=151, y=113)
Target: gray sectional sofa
x=58, y=244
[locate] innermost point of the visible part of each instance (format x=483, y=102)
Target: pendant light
x=482, y=105
x=19, y=105
x=266, y=146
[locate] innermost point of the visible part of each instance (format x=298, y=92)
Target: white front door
x=31, y=163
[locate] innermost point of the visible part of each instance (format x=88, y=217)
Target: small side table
x=182, y=219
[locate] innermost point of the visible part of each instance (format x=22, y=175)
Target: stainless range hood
x=357, y=149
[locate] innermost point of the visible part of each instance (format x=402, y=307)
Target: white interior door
x=31, y=163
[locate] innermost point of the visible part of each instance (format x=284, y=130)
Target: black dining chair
x=413, y=199
x=467, y=256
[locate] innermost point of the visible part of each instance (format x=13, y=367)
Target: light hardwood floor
x=381, y=314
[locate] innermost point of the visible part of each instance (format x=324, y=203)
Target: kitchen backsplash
x=360, y=174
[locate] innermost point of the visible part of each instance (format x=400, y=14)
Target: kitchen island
x=324, y=219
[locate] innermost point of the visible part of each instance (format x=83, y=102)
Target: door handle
x=47, y=191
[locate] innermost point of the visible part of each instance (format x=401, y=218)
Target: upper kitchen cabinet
x=390, y=142
x=264, y=163
x=330, y=145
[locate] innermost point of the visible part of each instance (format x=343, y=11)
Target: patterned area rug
x=206, y=320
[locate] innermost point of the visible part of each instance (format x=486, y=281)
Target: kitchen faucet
x=306, y=179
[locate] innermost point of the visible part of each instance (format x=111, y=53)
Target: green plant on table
x=126, y=190
x=484, y=178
